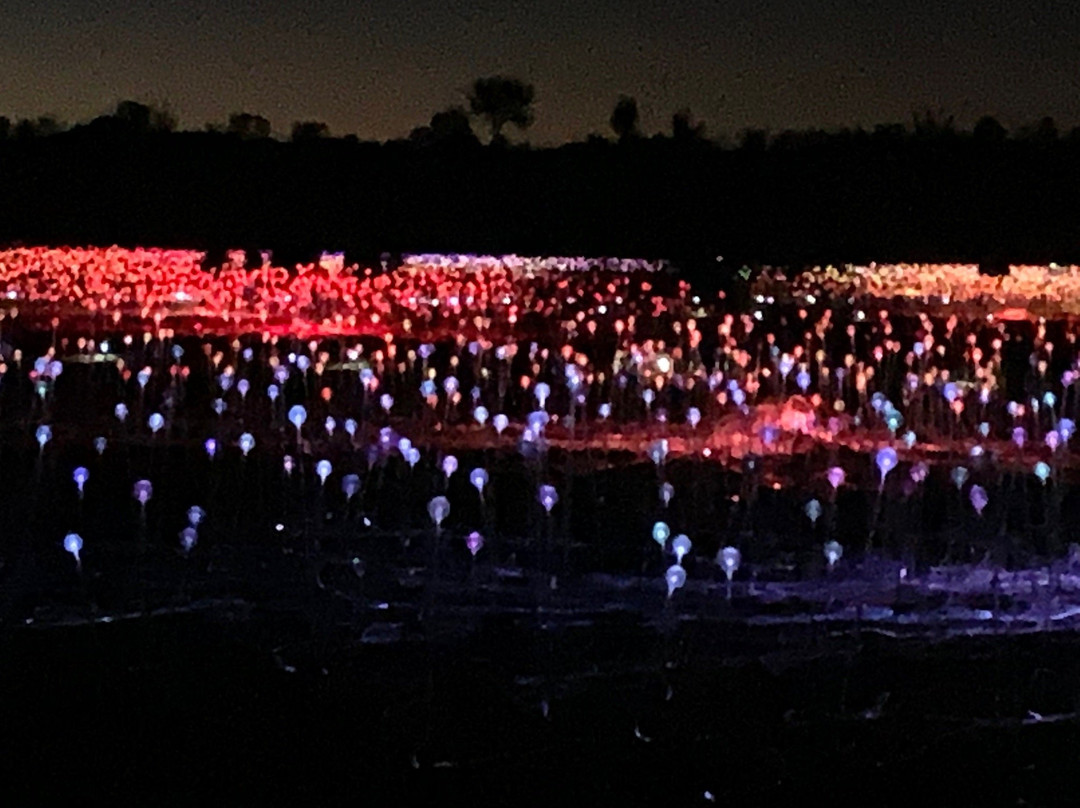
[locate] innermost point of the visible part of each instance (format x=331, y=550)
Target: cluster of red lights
x=427, y=295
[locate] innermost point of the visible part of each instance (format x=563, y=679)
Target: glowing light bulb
x=323, y=469
x=1066, y=428
x=188, y=539
x=675, y=577
x=474, y=542
x=978, y=498
x=886, y=461
x=479, y=479
x=438, y=510
x=80, y=476
x=195, y=515
x=297, y=415
x=350, y=485
x=1042, y=471
x=537, y=420
x=449, y=465
x=73, y=544
x=548, y=497
x=542, y=391
x=681, y=545
x=729, y=559
x=143, y=491
x=660, y=533
x=693, y=417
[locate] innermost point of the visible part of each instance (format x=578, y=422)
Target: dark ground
x=194, y=708
x=264, y=667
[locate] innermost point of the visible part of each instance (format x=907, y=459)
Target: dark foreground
x=498, y=690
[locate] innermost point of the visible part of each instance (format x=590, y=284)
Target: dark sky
x=381, y=67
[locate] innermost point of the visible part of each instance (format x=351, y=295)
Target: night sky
x=382, y=67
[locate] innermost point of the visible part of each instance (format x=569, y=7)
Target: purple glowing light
x=475, y=543
x=548, y=497
x=143, y=491
x=675, y=577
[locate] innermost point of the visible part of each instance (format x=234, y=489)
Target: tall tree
x=624, y=118
x=501, y=100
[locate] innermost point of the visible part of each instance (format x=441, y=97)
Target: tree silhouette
x=452, y=123
x=309, y=130
x=163, y=119
x=248, y=126
x=1042, y=131
x=684, y=129
x=144, y=118
x=757, y=140
x=136, y=115
x=43, y=126
x=624, y=118
x=934, y=125
x=989, y=130
x=501, y=100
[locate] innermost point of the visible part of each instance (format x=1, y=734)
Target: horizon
x=516, y=138
x=382, y=73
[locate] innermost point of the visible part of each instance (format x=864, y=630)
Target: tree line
x=922, y=191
